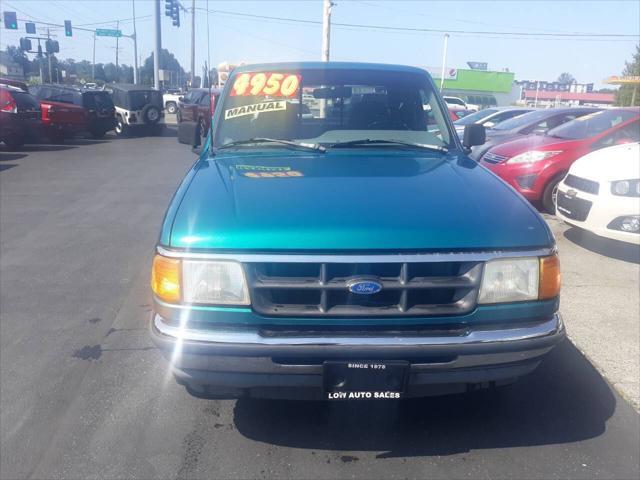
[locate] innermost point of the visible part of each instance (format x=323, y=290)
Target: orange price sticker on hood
x=262, y=84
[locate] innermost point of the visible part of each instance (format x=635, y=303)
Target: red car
x=456, y=113
x=535, y=164
x=60, y=117
x=19, y=115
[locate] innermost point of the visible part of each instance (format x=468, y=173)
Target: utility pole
x=135, y=44
x=193, y=41
x=93, y=65
x=117, y=51
x=444, y=60
x=326, y=29
x=157, y=45
x=49, y=57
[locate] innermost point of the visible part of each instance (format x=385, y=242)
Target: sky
x=235, y=38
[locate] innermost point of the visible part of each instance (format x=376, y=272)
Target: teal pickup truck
x=334, y=241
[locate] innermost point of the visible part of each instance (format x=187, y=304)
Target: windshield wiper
x=314, y=147
x=368, y=141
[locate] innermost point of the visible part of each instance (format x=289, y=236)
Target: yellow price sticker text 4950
x=258, y=84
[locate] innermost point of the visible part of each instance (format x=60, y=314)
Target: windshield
x=332, y=106
x=590, y=125
x=476, y=117
x=522, y=120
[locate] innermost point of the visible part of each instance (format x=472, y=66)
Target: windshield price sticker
x=243, y=110
x=262, y=84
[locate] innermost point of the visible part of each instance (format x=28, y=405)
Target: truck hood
x=619, y=162
x=365, y=199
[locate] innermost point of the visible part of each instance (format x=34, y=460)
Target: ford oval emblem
x=364, y=287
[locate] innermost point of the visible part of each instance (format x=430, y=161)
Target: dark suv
x=97, y=104
x=19, y=115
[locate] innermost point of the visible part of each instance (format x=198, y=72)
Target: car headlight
x=626, y=188
x=533, y=156
x=199, y=281
x=520, y=279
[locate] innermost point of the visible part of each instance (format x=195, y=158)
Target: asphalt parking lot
x=85, y=394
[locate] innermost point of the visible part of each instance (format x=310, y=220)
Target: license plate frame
x=364, y=379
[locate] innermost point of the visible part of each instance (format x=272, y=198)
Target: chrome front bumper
x=244, y=362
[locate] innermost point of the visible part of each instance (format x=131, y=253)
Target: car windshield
x=476, y=117
x=329, y=106
x=590, y=125
x=523, y=120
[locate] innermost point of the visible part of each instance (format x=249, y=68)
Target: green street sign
x=106, y=32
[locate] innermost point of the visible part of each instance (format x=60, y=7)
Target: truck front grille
x=322, y=289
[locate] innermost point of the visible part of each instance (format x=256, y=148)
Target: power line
x=471, y=22
x=430, y=30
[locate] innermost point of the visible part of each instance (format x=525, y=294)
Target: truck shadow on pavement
x=626, y=252
x=6, y=157
x=564, y=400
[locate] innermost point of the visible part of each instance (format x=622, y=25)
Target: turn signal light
x=165, y=278
x=549, y=277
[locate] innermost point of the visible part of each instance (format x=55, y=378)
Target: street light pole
x=193, y=41
x=326, y=29
x=135, y=44
x=49, y=58
x=117, y=50
x=93, y=65
x=444, y=60
x=157, y=45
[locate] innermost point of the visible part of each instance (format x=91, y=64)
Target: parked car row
x=535, y=163
x=57, y=112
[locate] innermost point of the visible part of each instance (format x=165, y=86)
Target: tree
x=167, y=61
x=20, y=57
x=624, y=95
x=566, y=77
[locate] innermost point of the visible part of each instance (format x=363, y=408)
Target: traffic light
x=68, y=31
x=30, y=27
x=10, y=20
x=25, y=44
x=176, y=16
x=52, y=46
x=168, y=8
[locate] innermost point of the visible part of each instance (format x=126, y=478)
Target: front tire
x=120, y=128
x=14, y=143
x=550, y=193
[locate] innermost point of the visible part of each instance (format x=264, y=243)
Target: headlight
x=532, y=156
x=220, y=283
x=202, y=282
x=626, y=188
x=520, y=279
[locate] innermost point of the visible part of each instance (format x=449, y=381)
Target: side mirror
x=474, y=135
x=189, y=134
x=181, y=98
